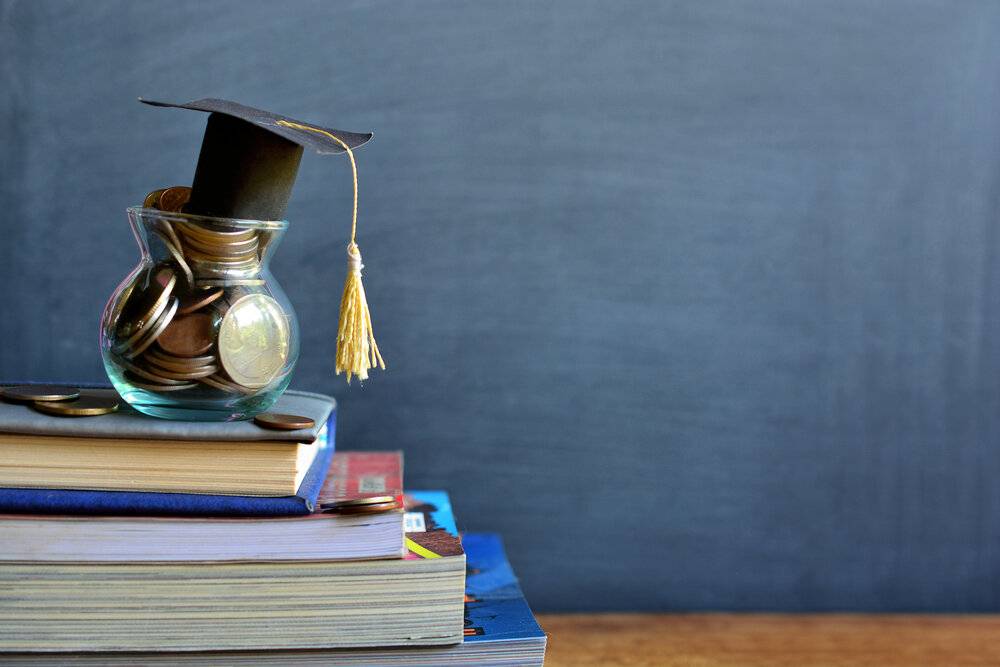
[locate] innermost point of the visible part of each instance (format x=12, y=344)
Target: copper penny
x=152, y=200
x=281, y=422
x=193, y=302
x=188, y=335
x=86, y=406
x=172, y=200
x=39, y=392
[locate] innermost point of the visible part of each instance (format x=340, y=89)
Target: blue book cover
x=495, y=608
x=69, y=501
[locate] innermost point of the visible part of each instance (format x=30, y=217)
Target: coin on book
x=85, y=406
x=373, y=508
x=282, y=422
x=39, y=392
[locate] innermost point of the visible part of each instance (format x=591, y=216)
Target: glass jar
x=200, y=330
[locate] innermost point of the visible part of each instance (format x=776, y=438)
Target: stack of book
x=130, y=540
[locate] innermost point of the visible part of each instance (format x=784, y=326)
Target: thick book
x=127, y=451
x=134, y=539
x=253, y=605
x=500, y=631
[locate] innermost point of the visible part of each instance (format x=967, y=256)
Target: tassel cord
x=357, y=350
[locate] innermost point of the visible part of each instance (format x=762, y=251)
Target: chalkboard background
x=694, y=302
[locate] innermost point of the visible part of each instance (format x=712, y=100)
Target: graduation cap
x=246, y=169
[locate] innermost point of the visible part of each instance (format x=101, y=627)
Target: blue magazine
x=69, y=501
x=495, y=608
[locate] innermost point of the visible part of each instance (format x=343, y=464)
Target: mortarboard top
x=248, y=162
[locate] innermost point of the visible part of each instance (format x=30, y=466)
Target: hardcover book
x=80, y=501
x=127, y=451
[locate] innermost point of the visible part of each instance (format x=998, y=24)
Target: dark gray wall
x=694, y=302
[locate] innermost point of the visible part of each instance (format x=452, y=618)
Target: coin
x=188, y=335
x=85, y=406
x=170, y=362
x=154, y=331
x=253, y=340
x=193, y=302
x=222, y=248
x=144, y=305
x=39, y=392
x=209, y=234
x=172, y=200
x=193, y=374
x=161, y=387
x=178, y=258
x=228, y=282
x=374, y=508
x=152, y=200
x=144, y=374
x=282, y=422
x=368, y=500
x=218, y=382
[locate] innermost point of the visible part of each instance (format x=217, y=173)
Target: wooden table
x=771, y=640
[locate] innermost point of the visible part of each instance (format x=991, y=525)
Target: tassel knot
x=357, y=351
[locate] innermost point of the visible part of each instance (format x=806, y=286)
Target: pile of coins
x=59, y=400
x=201, y=317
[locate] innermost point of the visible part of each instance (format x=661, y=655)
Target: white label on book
x=371, y=484
x=413, y=522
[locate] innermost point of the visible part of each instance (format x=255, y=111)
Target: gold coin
x=253, y=340
x=144, y=306
x=282, y=422
x=39, y=392
x=154, y=331
x=85, y=406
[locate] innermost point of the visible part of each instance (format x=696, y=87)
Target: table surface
x=772, y=640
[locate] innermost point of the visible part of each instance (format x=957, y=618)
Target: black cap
x=248, y=162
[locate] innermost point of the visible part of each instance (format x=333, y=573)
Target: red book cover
x=356, y=475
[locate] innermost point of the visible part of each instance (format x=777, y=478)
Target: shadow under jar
x=200, y=330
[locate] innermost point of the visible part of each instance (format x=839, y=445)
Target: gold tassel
x=357, y=351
